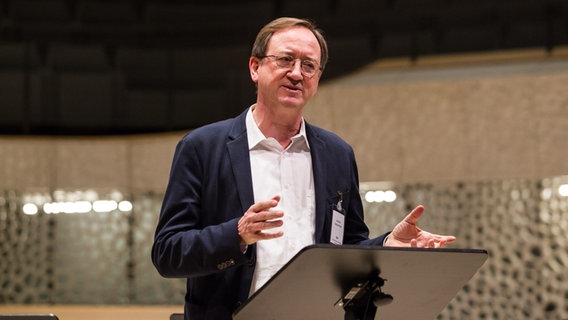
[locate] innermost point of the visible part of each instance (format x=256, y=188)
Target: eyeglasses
x=307, y=67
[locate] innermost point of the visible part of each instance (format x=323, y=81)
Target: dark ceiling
x=74, y=67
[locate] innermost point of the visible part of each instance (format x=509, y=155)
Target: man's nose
x=296, y=69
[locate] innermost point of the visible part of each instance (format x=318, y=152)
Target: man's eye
x=286, y=59
x=309, y=65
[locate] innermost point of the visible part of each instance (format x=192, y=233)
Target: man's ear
x=254, y=64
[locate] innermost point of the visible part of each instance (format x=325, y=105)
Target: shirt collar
x=255, y=136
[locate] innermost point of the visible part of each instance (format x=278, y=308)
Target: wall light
x=563, y=190
x=379, y=196
x=125, y=206
x=30, y=209
x=104, y=206
x=78, y=201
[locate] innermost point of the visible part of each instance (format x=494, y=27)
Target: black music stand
x=346, y=282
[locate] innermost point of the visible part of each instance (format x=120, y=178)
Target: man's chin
x=293, y=103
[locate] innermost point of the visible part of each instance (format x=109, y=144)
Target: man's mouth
x=292, y=88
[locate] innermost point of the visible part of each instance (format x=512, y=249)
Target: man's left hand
x=407, y=234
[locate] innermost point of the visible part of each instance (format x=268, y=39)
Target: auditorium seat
x=85, y=100
x=102, y=12
x=19, y=85
x=77, y=57
x=40, y=11
x=349, y=53
x=144, y=109
x=81, y=85
x=194, y=108
x=143, y=67
x=18, y=55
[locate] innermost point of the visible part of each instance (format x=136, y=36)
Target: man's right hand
x=258, y=218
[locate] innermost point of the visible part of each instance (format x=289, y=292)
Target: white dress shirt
x=288, y=173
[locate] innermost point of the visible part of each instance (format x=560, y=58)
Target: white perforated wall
x=104, y=258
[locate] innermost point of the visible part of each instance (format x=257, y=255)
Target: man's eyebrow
x=291, y=53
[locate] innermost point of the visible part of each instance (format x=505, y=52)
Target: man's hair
x=264, y=35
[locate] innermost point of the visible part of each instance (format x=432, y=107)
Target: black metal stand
x=362, y=300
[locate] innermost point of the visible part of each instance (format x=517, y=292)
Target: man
x=246, y=194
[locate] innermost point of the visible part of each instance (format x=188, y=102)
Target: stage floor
x=97, y=312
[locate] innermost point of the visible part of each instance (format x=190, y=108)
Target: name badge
x=337, y=224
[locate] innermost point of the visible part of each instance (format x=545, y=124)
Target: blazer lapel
x=238, y=150
x=318, y=147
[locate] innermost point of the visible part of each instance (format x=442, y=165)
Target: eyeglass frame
x=278, y=61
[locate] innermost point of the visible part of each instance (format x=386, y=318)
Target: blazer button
x=225, y=264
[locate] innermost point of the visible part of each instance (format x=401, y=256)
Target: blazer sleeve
x=356, y=229
x=191, y=239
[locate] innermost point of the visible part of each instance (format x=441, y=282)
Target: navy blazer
x=210, y=188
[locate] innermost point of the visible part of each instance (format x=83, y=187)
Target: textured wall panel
x=86, y=163
x=26, y=253
x=91, y=258
x=104, y=258
x=26, y=163
x=149, y=287
x=150, y=159
x=522, y=223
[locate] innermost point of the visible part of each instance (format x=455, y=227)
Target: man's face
x=287, y=87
